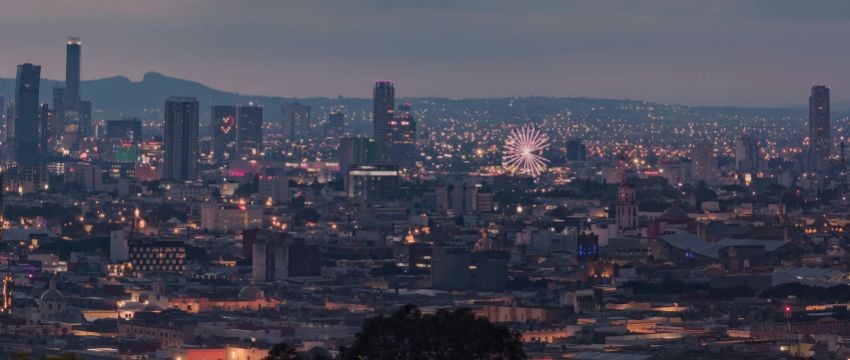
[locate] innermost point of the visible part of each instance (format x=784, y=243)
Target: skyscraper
x=44, y=119
x=223, y=123
x=3, y=113
x=819, y=129
x=383, y=103
x=336, y=125
x=73, y=52
x=249, y=126
x=403, y=138
x=181, y=138
x=355, y=150
x=26, y=124
x=85, y=111
x=297, y=117
x=59, y=95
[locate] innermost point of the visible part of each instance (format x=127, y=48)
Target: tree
x=408, y=334
x=283, y=351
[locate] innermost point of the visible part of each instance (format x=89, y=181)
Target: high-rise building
x=85, y=111
x=73, y=53
x=223, y=123
x=747, y=156
x=383, y=105
x=44, y=120
x=296, y=117
x=27, y=114
x=403, y=137
x=3, y=123
x=249, y=128
x=576, y=150
x=59, y=95
x=703, y=162
x=336, y=125
x=181, y=138
x=819, y=129
x=355, y=150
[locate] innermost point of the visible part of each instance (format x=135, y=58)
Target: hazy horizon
x=726, y=53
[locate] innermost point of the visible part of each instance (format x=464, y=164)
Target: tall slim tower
x=336, y=125
x=73, y=52
x=819, y=129
x=383, y=103
x=297, y=117
x=249, y=125
x=181, y=138
x=403, y=138
x=223, y=125
x=59, y=95
x=27, y=115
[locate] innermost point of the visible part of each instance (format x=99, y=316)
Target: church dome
x=52, y=295
x=674, y=213
x=251, y=292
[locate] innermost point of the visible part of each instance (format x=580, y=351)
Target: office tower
x=355, y=150
x=297, y=118
x=27, y=115
x=336, y=125
x=576, y=150
x=3, y=113
x=223, y=123
x=249, y=128
x=703, y=163
x=85, y=111
x=627, y=207
x=819, y=129
x=383, y=103
x=72, y=73
x=181, y=138
x=58, y=124
x=747, y=156
x=403, y=139
x=128, y=129
x=44, y=120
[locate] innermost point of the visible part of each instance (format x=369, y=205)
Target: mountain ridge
x=119, y=96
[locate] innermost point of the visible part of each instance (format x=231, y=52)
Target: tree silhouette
x=409, y=335
x=283, y=351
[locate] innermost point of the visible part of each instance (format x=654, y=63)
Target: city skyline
x=720, y=54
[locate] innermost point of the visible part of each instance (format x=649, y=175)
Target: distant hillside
x=119, y=96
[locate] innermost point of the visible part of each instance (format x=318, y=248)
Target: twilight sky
x=718, y=52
